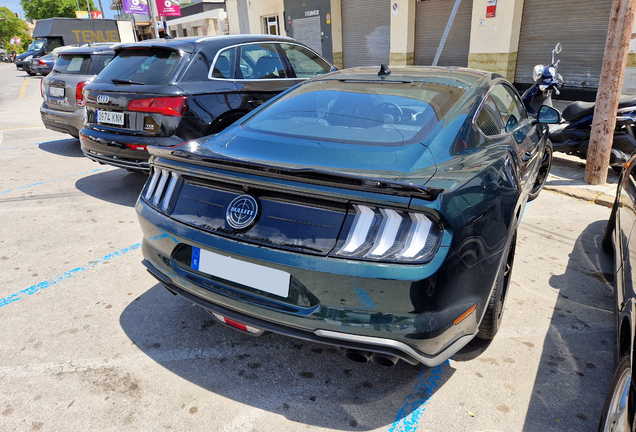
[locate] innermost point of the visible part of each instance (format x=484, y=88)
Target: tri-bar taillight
x=161, y=188
x=389, y=235
x=169, y=105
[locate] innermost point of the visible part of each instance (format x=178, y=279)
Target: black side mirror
x=549, y=115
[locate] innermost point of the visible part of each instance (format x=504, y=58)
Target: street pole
x=102, y=9
x=152, y=10
x=88, y=6
x=609, y=90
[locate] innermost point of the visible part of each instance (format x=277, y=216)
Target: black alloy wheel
x=493, y=316
x=542, y=174
x=615, y=414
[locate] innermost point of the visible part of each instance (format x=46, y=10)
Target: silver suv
x=63, y=107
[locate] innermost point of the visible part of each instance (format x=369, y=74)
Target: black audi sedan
x=370, y=209
x=619, y=410
x=164, y=92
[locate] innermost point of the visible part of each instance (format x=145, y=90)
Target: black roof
x=189, y=44
x=89, y=49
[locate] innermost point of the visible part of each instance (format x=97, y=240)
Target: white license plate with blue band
x=251, y=275
x=110, y=117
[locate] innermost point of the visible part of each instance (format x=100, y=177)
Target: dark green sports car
x=369, y=208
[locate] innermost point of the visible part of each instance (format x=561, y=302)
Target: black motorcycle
x=572, y=135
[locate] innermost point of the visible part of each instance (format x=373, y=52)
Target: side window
x=260, y=61
x=306, y=64
x=102, y=61
x=224, y=65
x=488, y=118
x=509, y=106
x=198, y=69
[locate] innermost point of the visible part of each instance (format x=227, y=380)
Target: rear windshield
x=73, y=64
x=146, y=66
x=359, y=112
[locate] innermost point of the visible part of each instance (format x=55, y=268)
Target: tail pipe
x=361, y=356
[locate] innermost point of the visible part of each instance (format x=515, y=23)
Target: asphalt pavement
x=90, y=341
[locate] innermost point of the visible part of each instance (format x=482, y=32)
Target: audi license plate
x=56, y=91
x=110, y=117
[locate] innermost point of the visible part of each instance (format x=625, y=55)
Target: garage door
x=431, y=17
x=366, y=32
x=307, y=31
x=580, y=26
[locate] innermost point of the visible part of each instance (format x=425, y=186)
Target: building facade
x=509, y=37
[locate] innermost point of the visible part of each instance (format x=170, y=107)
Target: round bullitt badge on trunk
x=242, y=212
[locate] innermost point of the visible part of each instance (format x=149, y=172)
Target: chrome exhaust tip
x=358, y=356
x=384, y=359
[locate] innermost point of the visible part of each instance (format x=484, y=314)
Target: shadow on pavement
x=115, y=185
x=580, y=341
x=64, y=147
x=307, y=383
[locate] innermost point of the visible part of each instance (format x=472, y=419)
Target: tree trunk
x=609, y=90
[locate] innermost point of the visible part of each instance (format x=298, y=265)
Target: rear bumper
x=112, y=149
x=345, y=340
x=63, y=121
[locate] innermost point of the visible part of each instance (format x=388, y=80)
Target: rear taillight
x=41, y=63
x=79, y=93
x=169, y=106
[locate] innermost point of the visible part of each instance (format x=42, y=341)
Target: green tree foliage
x=11, y=27
x=43, y=9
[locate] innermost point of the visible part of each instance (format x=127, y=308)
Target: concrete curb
x=595, y=197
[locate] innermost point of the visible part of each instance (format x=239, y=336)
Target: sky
x=14, y=6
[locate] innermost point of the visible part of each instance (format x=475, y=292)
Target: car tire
x=491, y=321
x=615, y=414
x=542, y=173
x=32, y=73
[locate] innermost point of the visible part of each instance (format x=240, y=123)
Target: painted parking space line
x=18, y=147
x=56, y=179
x=23, y=89
x=410, y=413
x=66, y=275
x=22, y=128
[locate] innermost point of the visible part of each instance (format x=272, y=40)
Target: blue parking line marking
x=525, y=211
x=19, y=147
x=409, y=414
x=66, y=275
x=54, y=180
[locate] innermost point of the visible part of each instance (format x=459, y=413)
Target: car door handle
x=256, y=102
x=527, y=156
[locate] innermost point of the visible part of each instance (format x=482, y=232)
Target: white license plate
x=251, y=275
x=56, y=91
x=110, y=117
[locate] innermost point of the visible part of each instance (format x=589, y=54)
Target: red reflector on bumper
x=237, y=325
x=136, y=147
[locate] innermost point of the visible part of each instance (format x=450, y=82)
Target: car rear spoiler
x=308, y=175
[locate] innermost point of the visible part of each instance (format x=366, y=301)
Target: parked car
x=619, y=410
x=165, y=92
x=373, y=210
x=63, y=107
x=43, y=65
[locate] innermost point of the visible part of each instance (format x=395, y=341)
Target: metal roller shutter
x=366, y=32
x=307, y=31
x=580, y=26
x=431, y=17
